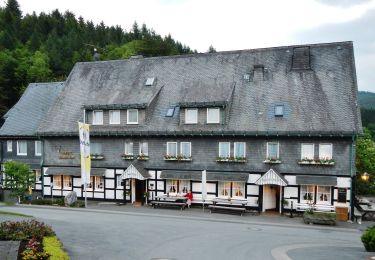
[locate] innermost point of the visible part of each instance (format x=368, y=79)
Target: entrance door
x=271, y=198
x=139, y=190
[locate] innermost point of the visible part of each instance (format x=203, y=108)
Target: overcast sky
x=239, y=24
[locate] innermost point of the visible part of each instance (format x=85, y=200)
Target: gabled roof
x=318, y=92
x=24, y=117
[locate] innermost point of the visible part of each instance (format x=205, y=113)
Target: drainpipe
x=352, y=177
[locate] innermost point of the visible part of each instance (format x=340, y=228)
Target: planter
x=127, y=157
x=142, y=158
x=323, y=218
x=231, y=159
x=96, y=157
x=272, y=161
x=324, y=163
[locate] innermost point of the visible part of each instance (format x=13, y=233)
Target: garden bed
x=37, y=240
x=323, y=218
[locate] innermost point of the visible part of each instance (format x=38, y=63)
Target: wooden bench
x=158, y=203
x=358, y=215
x=219, y=208
x=300, y=207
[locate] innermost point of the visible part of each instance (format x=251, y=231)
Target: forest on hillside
x=44, y=47
x=367, y=104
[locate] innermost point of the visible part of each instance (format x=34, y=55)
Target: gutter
x=352, y=177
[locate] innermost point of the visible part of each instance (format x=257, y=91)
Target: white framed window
x=325, y=151
x=191, y=116
x=238, y=189
x=97, y=117
x=9, y=146
x=185, y=149
x=224, y=189
x=99, y=183
x=172, y=186
x=38, y=176
x=224, y=149
x=129, y=148
x=323, y=195
x=132, y=116
x=143, y=148
x=239, y=149
x=172, y=148
x=272, y=151
x=307, y=151
x=114, y=117
x=213, y=115
x=307, y=193
x=38, y=148
x=184, y=186
x=67, y=182
x=119, y=182
x=21, y=147
x=57, y=181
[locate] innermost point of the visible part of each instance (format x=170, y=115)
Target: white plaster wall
x=210, y=187
x=78, y=191
x=47, y=191
x=253, y=178
x=56, y=192
x=77, y=182
x=47, y=180
x=109, y=183
x=99, y=195
x=343, y=182
x=38, y=186
x=158, y=174
x=252, y=201
x=291, y=179
x=252, y=190
x=152, y=174
x=89, y=194
x=119, y=194
x=110, y=194
x=290, y=192
x=160, y=185
x=109, y=173
x=65, y=192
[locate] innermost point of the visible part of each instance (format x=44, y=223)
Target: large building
x=273, y=126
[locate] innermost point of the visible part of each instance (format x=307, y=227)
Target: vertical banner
x=84, y=141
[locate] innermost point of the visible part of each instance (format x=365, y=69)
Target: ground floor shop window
x=184, y=186
x=238, y=189
x=307, y=193
x=224, y=189
x=172, y=186
x=67, y=182
x=96, y=183
x=324, y=194
x=57, y=182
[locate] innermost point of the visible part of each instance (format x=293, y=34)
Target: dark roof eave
x=115, y=106
x=204, y=133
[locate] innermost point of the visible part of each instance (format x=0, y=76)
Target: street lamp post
x=365, y=176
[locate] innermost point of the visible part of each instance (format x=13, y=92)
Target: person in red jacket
x=189, y=197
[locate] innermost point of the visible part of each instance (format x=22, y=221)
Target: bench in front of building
x=158, y=203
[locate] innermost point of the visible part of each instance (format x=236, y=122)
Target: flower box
x=177, y=158
x=127, y=157
x=96, y=157
x=143, y=157
x=272, y=161
x=231, y=159
x=328, y=162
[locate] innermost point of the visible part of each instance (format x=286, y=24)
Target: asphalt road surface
x=130, y=235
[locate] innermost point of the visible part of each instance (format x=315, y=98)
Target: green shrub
x=368, y=239
x=78, y=204
x=24, y=230
x=53, y=247
x=41, y=202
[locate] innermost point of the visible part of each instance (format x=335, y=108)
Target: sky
x=239, y=24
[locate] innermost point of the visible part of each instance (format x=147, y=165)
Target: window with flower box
x=172, y=149
x=96, y=152
x=240, y=151
x=225, y=155
x=128, y=151
x=143, y=151
x=272, y=153
x=224, y=149
x=184, y=154
x=185, y=150
x=325, y=151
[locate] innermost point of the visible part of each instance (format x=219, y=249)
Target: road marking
x=280, y=253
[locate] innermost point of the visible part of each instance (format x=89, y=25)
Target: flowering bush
x=24, y=230
x=32, y=251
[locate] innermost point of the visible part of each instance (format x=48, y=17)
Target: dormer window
x=132, y=116
x=150, y=81
x=213, y=115
x=191, y=116
x=279, y=110
x=114, y=117
x=97, y=117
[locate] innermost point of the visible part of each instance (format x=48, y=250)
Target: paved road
x=90, y=234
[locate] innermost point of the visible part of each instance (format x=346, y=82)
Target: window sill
x=128, y=157
x=272, y=161
x=231, y=160
x=177, y=159
x=98, y=157
x=143, y=158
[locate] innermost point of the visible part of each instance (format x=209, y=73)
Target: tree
x=39, y=70
x=18, y=178
x=365, y=162
x=211, y=49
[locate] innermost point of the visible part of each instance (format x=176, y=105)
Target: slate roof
x=24, y=118
x=319, y=93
